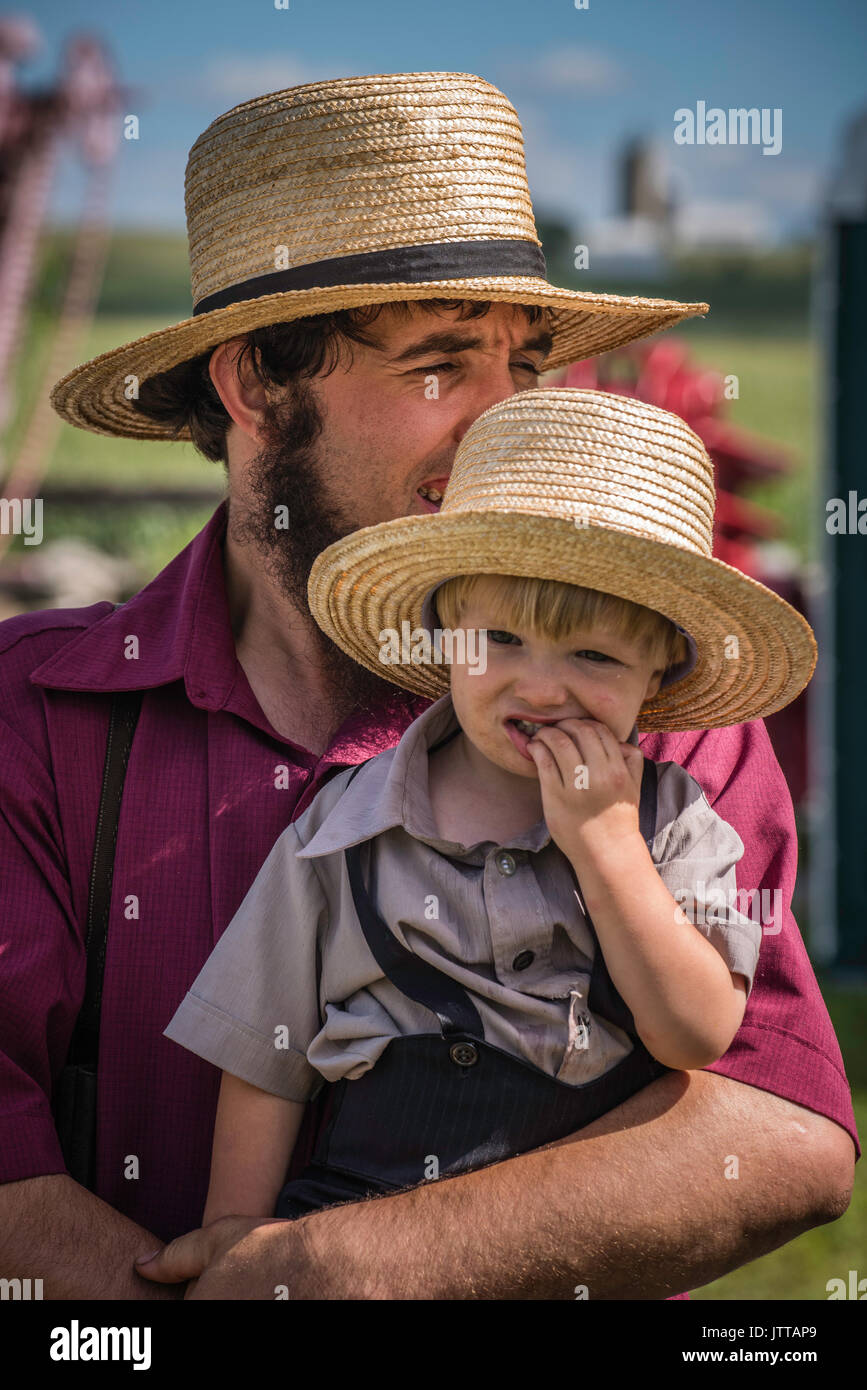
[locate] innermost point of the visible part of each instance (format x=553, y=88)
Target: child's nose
x=543, y=689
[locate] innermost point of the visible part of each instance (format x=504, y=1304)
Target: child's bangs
x=550, y=608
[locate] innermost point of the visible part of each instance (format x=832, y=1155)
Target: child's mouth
x=520, y=731
x=528, y=726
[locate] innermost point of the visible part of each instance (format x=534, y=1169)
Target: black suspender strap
x=647, y=803
x=444, y=996
x=414, y=977
x=74, y=1095
x=125, y=707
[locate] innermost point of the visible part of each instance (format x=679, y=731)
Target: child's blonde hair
x=553, y=609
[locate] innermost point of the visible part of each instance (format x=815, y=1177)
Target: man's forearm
x=53, y=1229
x=635, y=1206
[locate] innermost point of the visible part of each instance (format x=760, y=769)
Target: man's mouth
x=431, y=492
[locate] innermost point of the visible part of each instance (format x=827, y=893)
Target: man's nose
x=494, y=382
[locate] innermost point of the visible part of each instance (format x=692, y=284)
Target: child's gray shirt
x=291, y=994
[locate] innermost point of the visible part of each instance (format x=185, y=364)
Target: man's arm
x=635, y=1206
x=53, y=1229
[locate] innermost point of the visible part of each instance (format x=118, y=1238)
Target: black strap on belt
x=423, y=982
x=74, y=1092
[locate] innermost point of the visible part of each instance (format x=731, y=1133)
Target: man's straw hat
x=361, y=190
x=588, y=488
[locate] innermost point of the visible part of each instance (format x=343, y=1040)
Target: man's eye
x=496, y=634
x=454, y=366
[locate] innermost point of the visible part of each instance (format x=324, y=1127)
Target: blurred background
x=99, y=105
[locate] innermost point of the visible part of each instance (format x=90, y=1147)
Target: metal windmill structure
x=81, y=107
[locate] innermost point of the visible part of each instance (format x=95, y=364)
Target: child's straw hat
x=588, y=488
x=361, y=190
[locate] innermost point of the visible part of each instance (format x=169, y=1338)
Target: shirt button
x=464, y=1054
x=505, y=863
x=523, y=959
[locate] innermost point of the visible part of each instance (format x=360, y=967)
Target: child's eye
x=593, y=655
x=496, y=634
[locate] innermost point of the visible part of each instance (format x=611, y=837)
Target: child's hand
x=590, y=783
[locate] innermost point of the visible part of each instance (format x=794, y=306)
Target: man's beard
x=287, y=473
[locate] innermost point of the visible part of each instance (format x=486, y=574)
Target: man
x=366, y=280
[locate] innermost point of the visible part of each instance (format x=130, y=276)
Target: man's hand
x=590, y=784
x=233, y=1258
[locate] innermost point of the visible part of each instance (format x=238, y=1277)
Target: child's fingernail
x=143, y=1259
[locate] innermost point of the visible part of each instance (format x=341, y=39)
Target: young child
x=478, y=937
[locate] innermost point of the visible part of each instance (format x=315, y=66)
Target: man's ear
x=242, y=393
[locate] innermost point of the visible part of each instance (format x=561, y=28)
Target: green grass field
x=778, y=377
x=147, y=535
x=780, y=385
x=801, y=1269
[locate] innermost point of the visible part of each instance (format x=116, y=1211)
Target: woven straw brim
x=94, y=395
x=377, y=578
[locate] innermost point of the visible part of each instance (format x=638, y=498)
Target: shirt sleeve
x=253, y=1009
x=786, y=1043
x=42, y=967
x=696, y=852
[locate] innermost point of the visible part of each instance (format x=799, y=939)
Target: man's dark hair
x=279, y=354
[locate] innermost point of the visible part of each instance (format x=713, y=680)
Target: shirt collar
x=392, y=790
x=182, y=630
x=176, y=627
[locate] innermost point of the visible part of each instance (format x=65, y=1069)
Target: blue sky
x=582, y=81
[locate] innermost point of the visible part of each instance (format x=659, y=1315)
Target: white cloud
x=235, y=79
x=789, y=192
x=730, y=223
x=571, y=68
x=569, y=175
x=799, y=187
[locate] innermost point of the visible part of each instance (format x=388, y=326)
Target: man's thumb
x=179, y=1260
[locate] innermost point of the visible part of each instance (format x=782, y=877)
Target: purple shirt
x=209, y=788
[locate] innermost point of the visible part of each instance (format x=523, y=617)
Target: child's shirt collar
x=391, y=789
